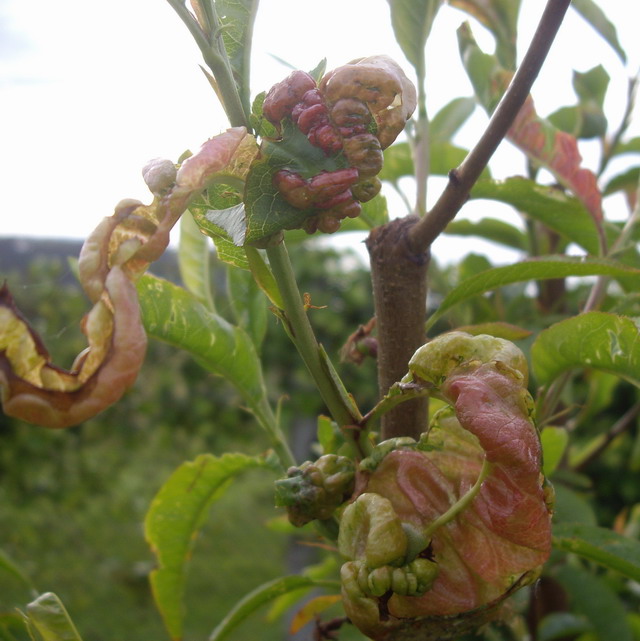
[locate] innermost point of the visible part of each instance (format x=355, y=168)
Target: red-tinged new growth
x=357, y=111
x=117, y=252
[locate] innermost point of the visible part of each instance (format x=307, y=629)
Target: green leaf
x=248, y=304
x=533, y=269
x=237, y=18
x=559, y=625
x=193, y=261
x=571, y=507
x=450, y=118
x=444, y=157
x=412, y=21
x=554, y=443
x=173, y=315
x=492, y=229
x=176, y=514
x=265, y=593
x=596, y=17
x=629, y=147
x=501, y=18
x=263, y=276
x=591, y=85
x=561, y=212
x=47, y=620
x=595, y=340
x=591, y=597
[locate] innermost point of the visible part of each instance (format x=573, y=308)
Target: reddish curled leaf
x=37, y=391
x=496, y=542
x=557, y=151
x=114, y=255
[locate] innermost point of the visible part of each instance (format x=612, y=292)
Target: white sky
x=88, y=95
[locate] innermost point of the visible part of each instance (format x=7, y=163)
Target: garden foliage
x=478, y=488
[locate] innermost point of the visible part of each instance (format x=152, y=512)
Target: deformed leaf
x=112, y=258
x=480, y=465
x=602, y=545
x=176, y=514
x=48, y=618
x=532, y=269
x=597, y=340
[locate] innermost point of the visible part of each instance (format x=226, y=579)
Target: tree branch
x=462, y=179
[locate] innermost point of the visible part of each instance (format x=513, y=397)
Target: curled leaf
x=323, y=162
x=470, y=495
x=115, y=254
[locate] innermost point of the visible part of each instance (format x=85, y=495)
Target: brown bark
x=399, y=277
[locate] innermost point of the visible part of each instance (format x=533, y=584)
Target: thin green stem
x=304, y=339
x=215, y=55
x=461, y=504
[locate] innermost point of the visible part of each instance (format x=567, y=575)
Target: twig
x=462, y=179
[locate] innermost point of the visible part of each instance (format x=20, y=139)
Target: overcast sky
x=87, y=96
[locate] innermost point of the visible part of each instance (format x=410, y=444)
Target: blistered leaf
x=498, y=329
x=48, y=618
x=602, y=545
x=176, y=514
x=532, y=269
x=597, y=340
x=480, y=465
